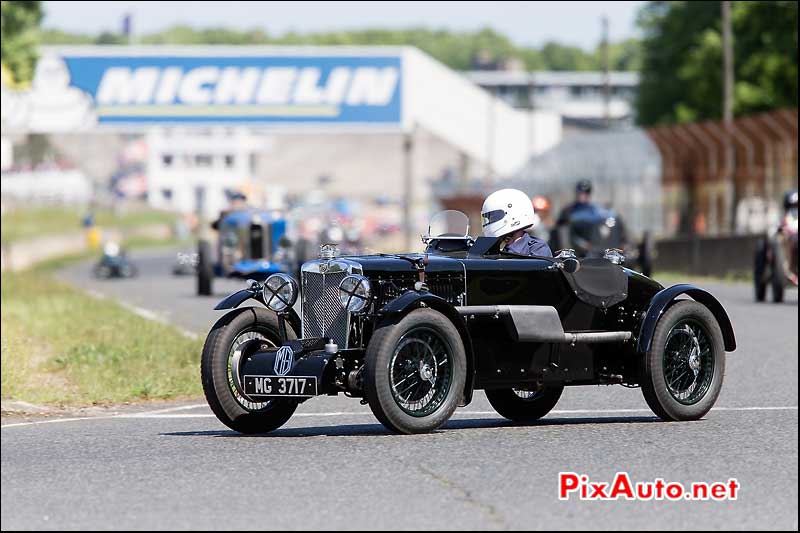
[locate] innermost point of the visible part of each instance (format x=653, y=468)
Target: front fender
x=236, y=299
x=664, y=298
x=411, y=300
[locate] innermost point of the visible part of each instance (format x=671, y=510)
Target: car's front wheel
x=415, y=371
x=230, y=336
x=779, y=276
x=524, y=405
x=683, y=370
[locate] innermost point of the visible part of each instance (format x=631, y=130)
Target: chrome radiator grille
x=323, y=315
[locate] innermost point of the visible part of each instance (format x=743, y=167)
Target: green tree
x=681, y=76
x=559, y=57
x=458, y=50
x=18, y=24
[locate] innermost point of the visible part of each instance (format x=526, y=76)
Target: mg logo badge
x=323, y=268
x=284, y=360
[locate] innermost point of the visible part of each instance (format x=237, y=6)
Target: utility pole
x=490, y=136
x=727, y=114
x=408, y=185
x=727, y=54
x=606, y=76
x=531, y=113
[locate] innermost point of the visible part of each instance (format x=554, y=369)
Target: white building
x=190, y=169
x=578, y=97
x=379, y=121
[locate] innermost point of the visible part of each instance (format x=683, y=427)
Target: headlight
x=280, y=292
x=354, y=293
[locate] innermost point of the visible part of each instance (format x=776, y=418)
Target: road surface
x=334, y=467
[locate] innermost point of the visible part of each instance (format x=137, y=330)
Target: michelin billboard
x=157, y=87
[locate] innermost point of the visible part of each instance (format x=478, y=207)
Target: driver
x=508, y=213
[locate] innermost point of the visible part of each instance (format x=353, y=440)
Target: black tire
x=510, y=404
x=646, y=255
x=205, y=269
x=379, y=372
x=759, y=271
x=129, y=271
x=101, y=271
x=711, y=363
x=214, y=372
x=778, y=281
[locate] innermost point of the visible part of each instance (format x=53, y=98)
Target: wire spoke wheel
x=688, y=362
x=527, y=395
x=420, y=371
x=238, y=343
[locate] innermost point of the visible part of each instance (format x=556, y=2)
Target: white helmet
x=506, y=211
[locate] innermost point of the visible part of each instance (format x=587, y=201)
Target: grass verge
x=29, y=223
x=63, y=347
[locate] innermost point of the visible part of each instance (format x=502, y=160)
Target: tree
x=18, y=24
x=681, y=78
x=559, y=57
x=458, y=50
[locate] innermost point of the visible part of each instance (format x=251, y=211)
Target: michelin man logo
x=51, y=105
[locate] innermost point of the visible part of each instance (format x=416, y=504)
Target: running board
x=539, y=323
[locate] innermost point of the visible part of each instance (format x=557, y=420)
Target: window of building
x=167, y=194
x=203, y=160
x=229, y=160
x=166, y=160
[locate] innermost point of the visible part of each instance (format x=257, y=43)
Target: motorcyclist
x=583, y=200
x=508, y=213
x=790, y=203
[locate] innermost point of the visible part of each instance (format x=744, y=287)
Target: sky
x=525, y=23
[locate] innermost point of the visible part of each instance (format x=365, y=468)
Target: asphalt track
x=334, y=467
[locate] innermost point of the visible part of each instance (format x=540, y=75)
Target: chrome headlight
x=280, y=292
x=354, y=293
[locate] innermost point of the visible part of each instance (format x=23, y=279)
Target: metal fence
x=624, y=167
x=718, y=180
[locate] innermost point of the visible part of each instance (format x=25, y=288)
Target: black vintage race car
x=414, y=335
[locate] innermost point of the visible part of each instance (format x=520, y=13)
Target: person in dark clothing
x=508, y=213
x=583, y=200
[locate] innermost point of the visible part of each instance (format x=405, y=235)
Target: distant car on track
x=114, y=263
x=775, y=263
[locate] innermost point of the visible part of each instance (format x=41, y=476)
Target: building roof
x=551, y=78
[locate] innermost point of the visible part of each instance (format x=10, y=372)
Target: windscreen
x=448, y=224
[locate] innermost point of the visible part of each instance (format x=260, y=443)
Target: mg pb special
x=413, y=335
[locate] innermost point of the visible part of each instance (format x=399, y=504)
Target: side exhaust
x=539, y=323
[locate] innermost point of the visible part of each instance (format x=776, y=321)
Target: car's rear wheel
x=414, y=372
x=524, y=405
x=760, y=270
x=683, y=370
x=231, y=334
x=646, y=254
x=205, y=269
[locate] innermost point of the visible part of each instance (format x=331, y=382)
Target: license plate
x=287, y=386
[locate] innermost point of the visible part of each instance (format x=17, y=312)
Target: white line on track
x=171, y=413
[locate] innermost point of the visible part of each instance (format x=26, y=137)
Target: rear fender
x=666, y=297
x=411, y=300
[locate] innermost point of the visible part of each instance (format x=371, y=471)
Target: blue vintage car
x=252, y=243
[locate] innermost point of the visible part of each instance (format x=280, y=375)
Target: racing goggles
x=489, y=217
